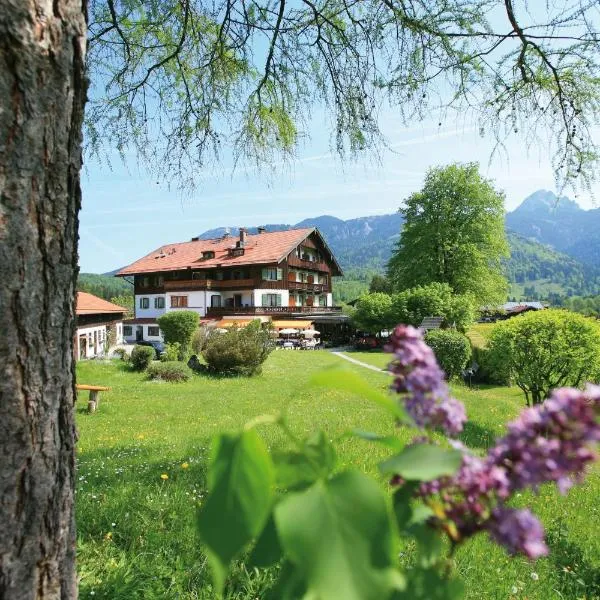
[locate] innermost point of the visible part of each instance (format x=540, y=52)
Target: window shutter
x=264, y=299
x=264, y=275
x=278, y=296
x=279, y=274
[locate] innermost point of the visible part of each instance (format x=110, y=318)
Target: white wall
x=150, y=312
x=91, y=349
x=257, y=295
x=131, y=339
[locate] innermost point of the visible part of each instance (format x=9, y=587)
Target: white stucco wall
x=150, y=312
x=257, y=295
x=91, y=349
x=131, y=339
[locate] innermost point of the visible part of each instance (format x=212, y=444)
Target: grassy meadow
x=142, y=475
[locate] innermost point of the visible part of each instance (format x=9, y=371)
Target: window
x=144, y=302
x=145, y=281
x=127, y=330
x=271, y=299
x=153, y=331
x=322, y=300
x=179, y=301
x=159, y=302
x=323, y=279
x=198, y=275
x=302, y=277
x=215, y=301
x=219, y=275
x=272, y=274
x=208, y=254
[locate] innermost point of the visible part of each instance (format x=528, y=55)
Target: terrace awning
x=292, y=324
x=231, y=322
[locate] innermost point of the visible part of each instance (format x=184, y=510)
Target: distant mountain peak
x=547, y=202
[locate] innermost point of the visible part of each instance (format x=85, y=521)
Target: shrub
x=121, y=353
x=199, y=339
x=179, y=327
x=174, y=371
x=488, y=371
x=240, y=351
x=171, y=352
x=141, y=357
x=452, y=350
x=546, y=349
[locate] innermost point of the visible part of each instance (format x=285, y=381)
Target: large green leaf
x=315, y=460
x=347, y=381
x=427, y=584
x=338, y=535
x=267, y=550
x=241, y=480
x=422, y=462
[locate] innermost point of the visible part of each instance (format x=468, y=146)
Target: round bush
x=240, y=351
x=451, y=348
x=141, y=357
x=546, y=349
x=174, y=371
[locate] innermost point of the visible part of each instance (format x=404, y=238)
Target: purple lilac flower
x=519, y=531
x=418, y=375
x=551, y=442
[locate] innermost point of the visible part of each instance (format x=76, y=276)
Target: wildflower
x=108, y=536
x=419, y=376
x=184, y=465
x=550, y=442
x=519, y=532
x=164, y=477
x=535, y=576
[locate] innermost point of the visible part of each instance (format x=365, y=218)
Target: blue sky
x=127, y=213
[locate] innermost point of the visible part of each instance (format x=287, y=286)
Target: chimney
x=262, y=229
x=243, y=234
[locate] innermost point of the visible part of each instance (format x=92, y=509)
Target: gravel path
x=357, y=362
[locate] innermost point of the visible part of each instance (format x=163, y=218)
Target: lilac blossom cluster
x=418, y=375
x=548, y=443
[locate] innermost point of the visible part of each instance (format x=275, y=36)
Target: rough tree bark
x=42, y=96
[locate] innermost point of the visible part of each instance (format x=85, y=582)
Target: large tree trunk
x=42, y=96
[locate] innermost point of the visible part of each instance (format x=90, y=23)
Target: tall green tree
x=453, y=233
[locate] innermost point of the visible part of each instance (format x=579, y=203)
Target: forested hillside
x=105, y=286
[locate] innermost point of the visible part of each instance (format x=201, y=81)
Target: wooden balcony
x=272, y=310
x=309, y=265
x=309, y=287
x=214, y=284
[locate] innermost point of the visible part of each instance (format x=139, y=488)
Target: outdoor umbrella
x=288, y=331
x=310, y=332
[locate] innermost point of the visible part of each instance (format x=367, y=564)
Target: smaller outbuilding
x=99, y=326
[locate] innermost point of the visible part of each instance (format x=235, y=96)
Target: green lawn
x=136, y=535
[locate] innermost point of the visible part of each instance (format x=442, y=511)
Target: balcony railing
x=210, y=284
x=271, y=310
x=305, y=285
x=310, y=265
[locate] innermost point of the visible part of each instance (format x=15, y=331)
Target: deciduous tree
x=453, y=233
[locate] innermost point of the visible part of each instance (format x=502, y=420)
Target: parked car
x=159, y=347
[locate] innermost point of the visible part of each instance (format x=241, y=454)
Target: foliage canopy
x=453, y=233
x=546, y=349
x=202, y=77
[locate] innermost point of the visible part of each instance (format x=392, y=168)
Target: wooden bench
x=94, y=401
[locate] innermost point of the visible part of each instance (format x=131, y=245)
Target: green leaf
x=267, y=550
x=427, y=584
x=241, y=480
x=346, y=381
x=301, y=468
x=422, y=462
x=401, y=503
x=429, y=543
x=338, y=535
x=385, y=440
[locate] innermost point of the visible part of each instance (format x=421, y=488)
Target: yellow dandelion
x=184, y=465
x=164, y=477
x=108, y=536
x=141, y=436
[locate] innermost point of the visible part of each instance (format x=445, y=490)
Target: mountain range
x=555, y=245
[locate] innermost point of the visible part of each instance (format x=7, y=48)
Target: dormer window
x=206, y=254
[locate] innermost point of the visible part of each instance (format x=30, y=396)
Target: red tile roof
x=261, y=248
x=88, y=304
